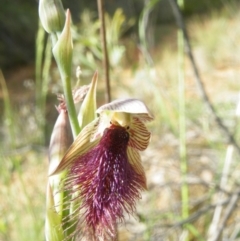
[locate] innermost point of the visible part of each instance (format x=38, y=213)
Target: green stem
x=44, y=84
x=182, y=122
x=39, y=111
x=66, y=81
x=105, y=50
x=38, y=65
x=8, y=111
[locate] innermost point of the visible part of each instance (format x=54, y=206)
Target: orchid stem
x=66, y=81
x=182, y=124
x=105, y=50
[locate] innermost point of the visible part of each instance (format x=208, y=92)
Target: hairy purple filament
x=107, y=182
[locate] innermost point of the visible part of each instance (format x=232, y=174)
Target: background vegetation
x=191, y=166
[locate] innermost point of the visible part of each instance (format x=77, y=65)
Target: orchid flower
x=105, y=174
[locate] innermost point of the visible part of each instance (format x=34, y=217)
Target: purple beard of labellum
x=108, y=184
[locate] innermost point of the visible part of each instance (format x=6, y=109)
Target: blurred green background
x=19, y=21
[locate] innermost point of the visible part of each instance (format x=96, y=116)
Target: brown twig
x=181, y=25
x=105, y=51
x=230, y=202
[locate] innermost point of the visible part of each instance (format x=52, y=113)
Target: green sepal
x=53, y=226
x=88, y=108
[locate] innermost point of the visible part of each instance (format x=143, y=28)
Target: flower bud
x=61, y=139
x=63, y=49
x=52, y=15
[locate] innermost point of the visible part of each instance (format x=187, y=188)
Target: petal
x=132, y=106
x=143, y=117
x=134, y=159
x=103, y=123
x=79, y=147
x=139, y=135
x=121, y=118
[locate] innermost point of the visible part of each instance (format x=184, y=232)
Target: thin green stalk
x=182, y=127
x=46, y=71
x=182, y=122
x=45, y=81
x=38, y=65
x=161, y=98
x=42, y=68
x=8, y=111
x=197, y=235
x=142, y=26
x=105, y=50
x=66, y=81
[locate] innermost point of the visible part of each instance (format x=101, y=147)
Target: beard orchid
x=105, y=174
